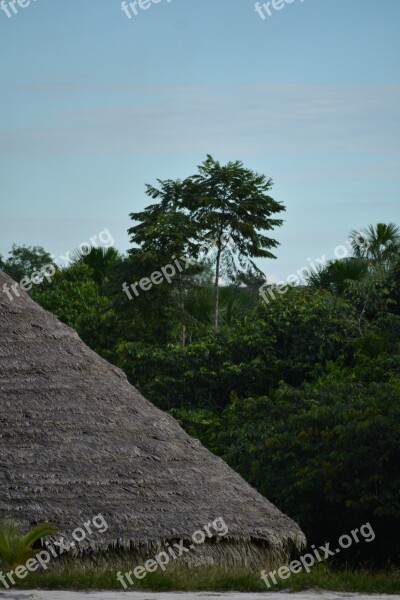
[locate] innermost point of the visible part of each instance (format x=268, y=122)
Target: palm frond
x=40, y=531
x=16, y=548
x=335, y=275
x=378, y=243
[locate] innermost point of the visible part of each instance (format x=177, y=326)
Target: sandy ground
x=38, y=595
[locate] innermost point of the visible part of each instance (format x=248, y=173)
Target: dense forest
x=300, y=393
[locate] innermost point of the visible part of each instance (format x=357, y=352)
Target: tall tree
x=164, y=235
x=230, y=204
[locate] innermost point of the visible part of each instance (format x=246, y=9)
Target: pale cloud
x=290, y=120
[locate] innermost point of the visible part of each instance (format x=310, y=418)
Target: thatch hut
x=77, y=439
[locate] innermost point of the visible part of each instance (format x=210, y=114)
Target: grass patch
x=78, y=576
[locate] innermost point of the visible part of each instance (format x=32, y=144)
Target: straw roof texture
x=76, y=439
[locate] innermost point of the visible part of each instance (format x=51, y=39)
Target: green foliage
x=72, y=574
x=311, y=327
x=231, y=205
x=337, y=274
x=163, y=229
x=379, y=244
x=326, y=453
x=165, y=233
x=228, y=205
x=101, y=261
x=233, y=202
x=234, y=304
x=74, y=296
x=77, y=575
x=16, y=548
x=25, y=260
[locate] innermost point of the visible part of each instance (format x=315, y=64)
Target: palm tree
x=100, y=260
x=337, y=273
x=379, y=244
x=234, y=303
x=16, y=548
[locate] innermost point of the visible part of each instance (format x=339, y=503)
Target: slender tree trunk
x=216, y=291
x=182, y=310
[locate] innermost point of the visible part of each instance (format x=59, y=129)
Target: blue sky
x=94, y=105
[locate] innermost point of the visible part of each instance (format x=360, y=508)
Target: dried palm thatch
x=77, y=439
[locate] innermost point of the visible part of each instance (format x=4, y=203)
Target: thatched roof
x=77, y=439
